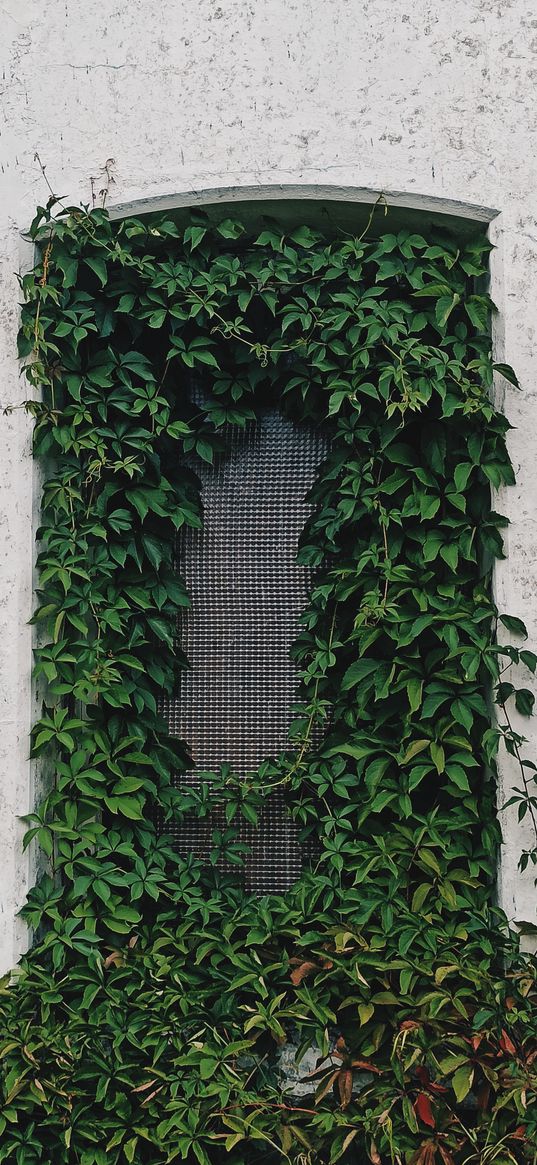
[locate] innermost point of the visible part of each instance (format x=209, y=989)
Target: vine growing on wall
x=380, y=1009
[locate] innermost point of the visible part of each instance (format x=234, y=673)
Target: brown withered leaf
x=345, y=1086
x=350, y=1137
x=115, y=959
x=146, y=1085
x=326, y=1086
x=147, y=1099
x=426, y=1153
x=301, y=972
x=374, y=1155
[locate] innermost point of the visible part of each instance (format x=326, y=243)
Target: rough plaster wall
x=411, y=95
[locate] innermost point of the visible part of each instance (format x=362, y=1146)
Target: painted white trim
x=302, y=191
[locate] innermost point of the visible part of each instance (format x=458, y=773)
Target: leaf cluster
x=157, y=1013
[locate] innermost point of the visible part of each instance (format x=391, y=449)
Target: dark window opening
x=247, y=592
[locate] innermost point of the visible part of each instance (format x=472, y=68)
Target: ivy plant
x=380, y=1010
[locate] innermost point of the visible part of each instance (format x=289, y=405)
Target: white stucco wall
x=433, y=99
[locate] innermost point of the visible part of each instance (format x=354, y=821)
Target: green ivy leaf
x=126, y=1028
x=507, y=372
x=360, y=670
x=514, y=624
x=524, y=701
x=98, y=266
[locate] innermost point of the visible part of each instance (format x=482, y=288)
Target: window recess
x=247, y=592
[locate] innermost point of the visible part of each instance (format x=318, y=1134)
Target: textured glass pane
x=247, y=594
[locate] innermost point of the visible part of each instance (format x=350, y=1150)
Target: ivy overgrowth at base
x=380, y=1009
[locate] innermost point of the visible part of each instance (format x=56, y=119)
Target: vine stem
x=307, y=736
x=306, y=740
x=386, y=560
x=380, y=200
x=525, y=780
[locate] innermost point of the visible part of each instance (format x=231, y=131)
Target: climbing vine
x=379, y=1010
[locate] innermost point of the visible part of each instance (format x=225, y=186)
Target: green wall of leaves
x=147, y=1023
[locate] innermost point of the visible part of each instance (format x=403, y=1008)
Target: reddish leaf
x=520, y=1133
x=409, y=1025
x=366, y=1066
x=423, y=1109
x=424, y=1078
x=446, y=1155
x=506, y=1044
x=483, y=1096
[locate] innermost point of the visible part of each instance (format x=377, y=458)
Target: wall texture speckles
x=435, y=100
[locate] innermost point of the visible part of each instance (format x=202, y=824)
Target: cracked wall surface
x=437, y=100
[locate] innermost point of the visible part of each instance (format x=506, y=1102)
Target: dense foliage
x=154, y=1016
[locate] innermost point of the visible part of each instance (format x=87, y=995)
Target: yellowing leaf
x=462, y=1081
